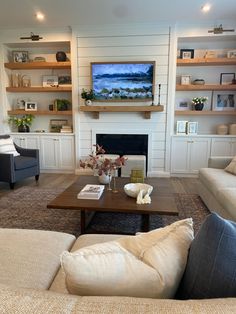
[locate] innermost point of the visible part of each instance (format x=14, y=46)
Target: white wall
x=125, y=43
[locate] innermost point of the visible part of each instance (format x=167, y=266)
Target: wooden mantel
x=147, y=110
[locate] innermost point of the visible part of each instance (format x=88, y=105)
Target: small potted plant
x=198, y=102
x=23, y=123
x=88, y=96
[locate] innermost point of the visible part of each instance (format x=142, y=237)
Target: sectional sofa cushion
x=232, y=166
x=210, y=270
x=31, y=258
x=147, y=265
x=7, y=146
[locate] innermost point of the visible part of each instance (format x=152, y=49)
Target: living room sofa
x=217, y=187
x=31, y=280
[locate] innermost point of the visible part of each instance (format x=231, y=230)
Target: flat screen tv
x=123, y=81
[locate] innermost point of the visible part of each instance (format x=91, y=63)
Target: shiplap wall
x=138, y=43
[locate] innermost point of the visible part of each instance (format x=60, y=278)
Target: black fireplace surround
x=124, y=144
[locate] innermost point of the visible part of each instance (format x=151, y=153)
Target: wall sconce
x=219, y=30
x=33, y=37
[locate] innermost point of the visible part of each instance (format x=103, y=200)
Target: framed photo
x=20, y=56
x=192, y=128
x=64, y=80
x=50, y=80
x=224, y=101
x=30, y=106
x=182, y=104
x=210, y=54
x=227, y=78
x=181, y=127
x=56, y=125
x=186, y=53
x=185, y=79
x=231, y=54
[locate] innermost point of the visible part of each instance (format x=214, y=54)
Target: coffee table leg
x=82, y=221
x=145, y=222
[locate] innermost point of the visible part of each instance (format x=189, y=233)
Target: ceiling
x=63, y=13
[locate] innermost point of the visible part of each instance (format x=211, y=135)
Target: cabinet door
x=180, y=155
x=49, y=146
x=19, y=140
x=66, y=152
x=233, y=147
x=199, y=154
x=221, y=147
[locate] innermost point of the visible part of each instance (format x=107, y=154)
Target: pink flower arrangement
x=97, y=161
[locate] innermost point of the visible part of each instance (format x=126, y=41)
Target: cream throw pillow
x=232, y=166
x=149, y=265
x=7, y=146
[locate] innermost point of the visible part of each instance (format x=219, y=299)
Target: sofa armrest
x=7, y=167
x=219, y=162
x=28, y=152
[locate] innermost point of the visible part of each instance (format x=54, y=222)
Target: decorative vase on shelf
x=199, y=107
x=23, y=128
x=88, y=102
x=104, y=178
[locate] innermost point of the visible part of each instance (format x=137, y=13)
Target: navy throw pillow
x=211, y=267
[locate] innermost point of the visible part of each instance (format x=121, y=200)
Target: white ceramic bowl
x=132, y=189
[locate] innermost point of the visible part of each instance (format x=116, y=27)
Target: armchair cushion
x=23, y=162
x=7, y=146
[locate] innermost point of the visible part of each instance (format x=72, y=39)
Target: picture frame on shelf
x=181, y=127
x=210, y=54
x=185, y=80
x=231, y=54
x=30, y=106
x=186, y=53
x=192, y=128
x=182, y=104
x=50, y=81
x=224, y=101
x=227, y=78
x=56, y=125
x=64, y=80
x=20, y=56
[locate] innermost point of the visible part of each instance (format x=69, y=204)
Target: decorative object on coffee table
x=133, y=189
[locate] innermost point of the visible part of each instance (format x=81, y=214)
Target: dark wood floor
x=52, y=180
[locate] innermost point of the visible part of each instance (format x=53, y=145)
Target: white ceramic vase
x=104, y=178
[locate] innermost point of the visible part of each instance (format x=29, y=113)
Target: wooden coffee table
x=163, y=202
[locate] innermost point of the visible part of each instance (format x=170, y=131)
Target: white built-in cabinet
x=189, y=154
x=223, y=146
x=56, y=152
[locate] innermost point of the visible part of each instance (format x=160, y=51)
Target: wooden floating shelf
x=206, y=61
x=39, y=89
x=205, y=87
x=37, y=65
x=147, y=110
x=204, y=113
x=40, y=112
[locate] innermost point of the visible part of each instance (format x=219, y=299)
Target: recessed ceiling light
x=206, y=8
x=40, y=16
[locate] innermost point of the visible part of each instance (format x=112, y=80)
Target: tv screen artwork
x=127, y=81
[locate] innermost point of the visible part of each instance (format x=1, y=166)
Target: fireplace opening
x=124, y=144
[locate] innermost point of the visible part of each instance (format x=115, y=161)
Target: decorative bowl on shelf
x=199, y=82
x=133, y=189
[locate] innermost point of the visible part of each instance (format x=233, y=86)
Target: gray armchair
x=13, y=169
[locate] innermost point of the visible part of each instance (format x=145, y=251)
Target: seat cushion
x=210, y=270
x=216, y=179
x=147, y=265
x=7, y=146
x=31, y=258
x=23, y=162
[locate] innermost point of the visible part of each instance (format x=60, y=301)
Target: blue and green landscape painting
x=122, y=81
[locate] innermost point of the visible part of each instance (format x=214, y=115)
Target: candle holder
x=109, y=183
x=114, y=190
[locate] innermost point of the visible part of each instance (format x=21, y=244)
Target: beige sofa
x=217, y=187
x=31, y=280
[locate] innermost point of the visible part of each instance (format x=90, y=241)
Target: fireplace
x=124, y=144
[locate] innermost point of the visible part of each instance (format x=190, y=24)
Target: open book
x=91, y=191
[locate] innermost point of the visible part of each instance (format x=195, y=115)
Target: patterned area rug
x=27, y=208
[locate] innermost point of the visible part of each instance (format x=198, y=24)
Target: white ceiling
x=63, y=13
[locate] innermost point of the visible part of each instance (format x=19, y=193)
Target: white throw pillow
x=7, y=146
x=232, y=166
x=149, y=265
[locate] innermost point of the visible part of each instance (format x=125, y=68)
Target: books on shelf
x=91, y=191
x=66, y=129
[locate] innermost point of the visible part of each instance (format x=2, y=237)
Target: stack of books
x=137, y=175
x=66, y=129
x=91, y=191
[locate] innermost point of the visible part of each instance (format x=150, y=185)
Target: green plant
x=24, y=120
x=88, y=95
x=199, y=100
